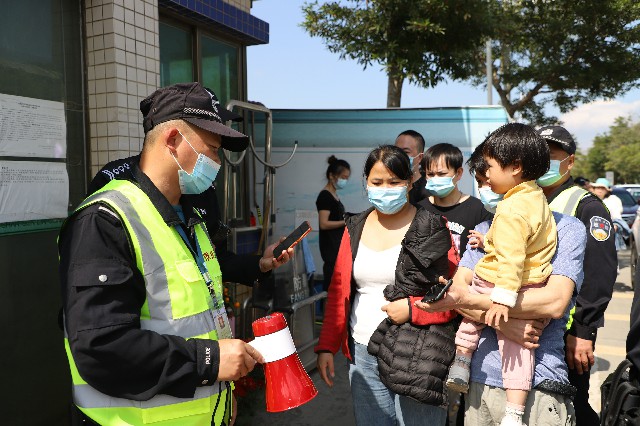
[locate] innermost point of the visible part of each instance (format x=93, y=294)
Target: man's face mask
x=440, y=186
x=553, y=174
x=202, y=176
x=490, y=199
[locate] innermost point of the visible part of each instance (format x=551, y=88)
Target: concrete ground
x=333, y=406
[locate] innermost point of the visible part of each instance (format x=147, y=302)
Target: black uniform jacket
x=600, y=265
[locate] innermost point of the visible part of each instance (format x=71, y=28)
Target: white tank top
x=372, y=271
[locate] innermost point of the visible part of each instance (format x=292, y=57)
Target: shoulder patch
x=600, y=228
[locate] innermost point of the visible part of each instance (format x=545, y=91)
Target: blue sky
x=297, y=71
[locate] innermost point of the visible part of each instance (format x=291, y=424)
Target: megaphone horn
x=287, y=383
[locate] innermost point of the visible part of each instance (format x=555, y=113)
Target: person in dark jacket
x=600, y=263
x=412, y=143
x=377, y=250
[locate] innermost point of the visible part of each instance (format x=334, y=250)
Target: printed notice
x=32, y=190
x=32, y=127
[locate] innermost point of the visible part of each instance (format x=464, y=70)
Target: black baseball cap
x=196, y=105
x=559, y=135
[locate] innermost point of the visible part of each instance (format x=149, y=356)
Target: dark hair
x=451, y=153
x=417, y=136
x=336, y=166
x=517, y=143
x=393, y=158
x=476, y=163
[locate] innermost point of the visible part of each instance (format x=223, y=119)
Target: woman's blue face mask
x=341, y=183
x=553, y=174
x=387, y=200
x=440, y=186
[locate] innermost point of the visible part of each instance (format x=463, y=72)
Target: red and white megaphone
x=287, y=383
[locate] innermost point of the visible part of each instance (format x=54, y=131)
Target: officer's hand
x=269, y=260
x=237, y=359
x=325, y=362
x=579, y=354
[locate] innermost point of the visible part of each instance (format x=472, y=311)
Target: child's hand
x=476, y=239
x=495, y=313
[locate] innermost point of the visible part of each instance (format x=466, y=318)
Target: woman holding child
x=390, y=256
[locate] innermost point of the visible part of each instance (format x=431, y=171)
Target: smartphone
x=437, y=292
x=292, y=239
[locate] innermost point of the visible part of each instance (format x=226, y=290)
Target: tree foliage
x=420, y=40
x=561, y=52
x=618, y=150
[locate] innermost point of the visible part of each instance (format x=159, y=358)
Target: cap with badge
x=559, y=135
x=194, y=104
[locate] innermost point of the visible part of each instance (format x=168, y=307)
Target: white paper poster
x=32, y=127
x=31, y=190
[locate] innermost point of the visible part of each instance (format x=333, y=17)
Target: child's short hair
x=451, y=153
x=476, y=163
x=517, y=143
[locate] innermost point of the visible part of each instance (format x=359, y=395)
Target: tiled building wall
x=123, y=67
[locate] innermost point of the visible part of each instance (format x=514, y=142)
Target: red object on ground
x=287, y=383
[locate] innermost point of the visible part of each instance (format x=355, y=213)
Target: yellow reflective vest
x=178, y=303
x=566, y=203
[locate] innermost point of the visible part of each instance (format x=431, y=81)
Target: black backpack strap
x=615, y=391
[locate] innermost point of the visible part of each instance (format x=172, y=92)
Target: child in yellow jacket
x=519, y=246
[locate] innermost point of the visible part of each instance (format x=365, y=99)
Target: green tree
x=560, y=52
x=618, y=150
x=420, y=40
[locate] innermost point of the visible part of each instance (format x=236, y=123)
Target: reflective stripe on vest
x=566, y=203
x=178, y=303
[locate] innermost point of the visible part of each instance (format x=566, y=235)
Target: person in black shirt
x=463, y=212
x=412, y=143
x=331, y=215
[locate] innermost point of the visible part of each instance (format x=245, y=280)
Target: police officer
x=600, y=263
x=146, y=331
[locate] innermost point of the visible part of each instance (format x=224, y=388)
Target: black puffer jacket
x=413, y=360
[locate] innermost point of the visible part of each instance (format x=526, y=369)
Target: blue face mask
x=490, y=199
x=411, y=159
x=341, y=183
x=202, y=176
x=553, y=174
x=440, y=186
x=387, y=200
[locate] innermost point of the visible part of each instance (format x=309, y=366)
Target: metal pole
x=489, y=74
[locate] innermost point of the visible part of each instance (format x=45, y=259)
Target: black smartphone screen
x=436, y=292
x=292, y=239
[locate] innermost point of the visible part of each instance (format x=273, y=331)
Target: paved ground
x=333, y=406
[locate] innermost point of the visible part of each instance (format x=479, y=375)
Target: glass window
x=176, y=58
x=219, y=68
x=40, y=59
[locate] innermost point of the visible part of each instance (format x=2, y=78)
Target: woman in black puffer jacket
x=393, y=243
